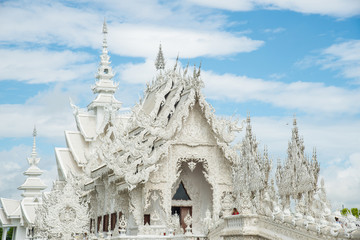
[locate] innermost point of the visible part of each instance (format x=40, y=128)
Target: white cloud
x=177, y=14
x=277, y=76
x=49, y=22
x=274, y=30
x=309, y=97
x=232, y=5
x=343, y=181
x=336, y=8
x=50, y=111
x=137, y=73
x=137, y=34
x=304, y=96
x=13, y=163
x=43, y=66
x=141, y=73
x=344, y=57
x=143, y=41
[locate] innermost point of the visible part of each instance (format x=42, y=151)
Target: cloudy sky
x=272, y=58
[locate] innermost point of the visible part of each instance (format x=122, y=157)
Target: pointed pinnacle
x=248, y=118
x=176, y=63
x=160, y=62
x=34, y=131
x=186, y=69
x=294, y=121
x=198, y=73
x=104, y=27
x=33, y=153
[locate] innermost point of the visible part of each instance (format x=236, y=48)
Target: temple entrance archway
x=192, y=194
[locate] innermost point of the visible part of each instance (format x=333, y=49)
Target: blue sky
x=272, y=58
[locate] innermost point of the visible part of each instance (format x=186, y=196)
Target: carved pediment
x=196, y=129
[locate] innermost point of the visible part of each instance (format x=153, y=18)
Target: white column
x=5, y=229
x=13, y=237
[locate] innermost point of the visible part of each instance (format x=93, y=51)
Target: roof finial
x=33, y=153
x=104, y=26
x=198, y=73
x=186, y=69
x=160, y=62
x=104, y=31
x=294, y=121
x=176, y=63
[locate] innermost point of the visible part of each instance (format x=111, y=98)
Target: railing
x=152, y=237
x=148, y=237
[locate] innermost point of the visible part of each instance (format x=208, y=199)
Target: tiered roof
x=105, y=86
x=33, y=185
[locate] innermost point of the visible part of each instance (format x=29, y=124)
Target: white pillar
x=13, y=237
x=5, y=229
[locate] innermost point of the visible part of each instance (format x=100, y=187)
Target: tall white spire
x=160, y=61
x=33, y=185
x=105, y=102
x=34, y=160
x=105, y=87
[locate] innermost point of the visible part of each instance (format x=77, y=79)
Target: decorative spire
x=33, y=185
x=105, y=71
x=176, y=63
x=105, y=86
x=33, y=159
x=314, y=156
x=294, y=121
x=105, y=104
x=160, y=62
x=198, y=73
x=253, y=169
x=186, y=69
x=104, y=31
x=298, y=176
x=34, y=154
x=248, y=127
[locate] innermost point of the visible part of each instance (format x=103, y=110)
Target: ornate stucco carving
x=63, y=213
x=298, y=177
x=251, y=174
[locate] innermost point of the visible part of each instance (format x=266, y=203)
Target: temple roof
x=130, y=145
x=66, y=163
x=3, y=218
x=154, y=123
x=11, y=207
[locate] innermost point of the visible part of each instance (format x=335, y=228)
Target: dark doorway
x=146, y=219
x=182, y=212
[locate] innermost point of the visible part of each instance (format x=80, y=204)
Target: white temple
x=20, y=214
x=169, y=169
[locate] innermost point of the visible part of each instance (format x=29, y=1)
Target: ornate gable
x=196, y=129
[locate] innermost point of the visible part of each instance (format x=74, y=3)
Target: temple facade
x=170, y=169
